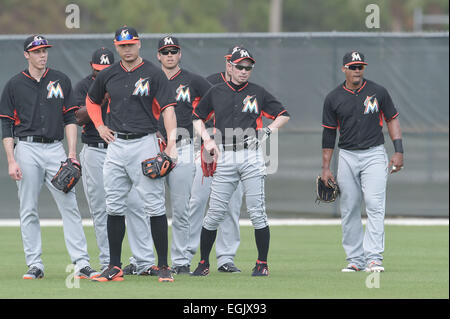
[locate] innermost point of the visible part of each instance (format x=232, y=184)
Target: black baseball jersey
x=238, y=107
x=89, y=133
x=216, y=78
x=358, y=114
x=137, y=97
x=32, y=108
x=188, y=88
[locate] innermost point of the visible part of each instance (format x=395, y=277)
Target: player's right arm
x=7, y=116
x=94, y=99
x=329, y=132
x=201, y=114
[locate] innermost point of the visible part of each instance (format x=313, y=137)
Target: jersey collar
x=175, y=75
x=236, y=88
x=356, y=91
x=133, y=69
x=28, y=75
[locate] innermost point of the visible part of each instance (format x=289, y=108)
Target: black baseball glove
x=326, y=193
x=68, y=175
x=158, y=166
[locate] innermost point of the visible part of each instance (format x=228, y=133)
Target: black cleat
x=229, y=267
x=165, y=274
x=34, y=273
x=87, y=273
x=181, y=270
x=151, y=271
x=130, y=270
x=201, y=270
x=261, y=269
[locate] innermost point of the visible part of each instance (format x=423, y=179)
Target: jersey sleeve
x=200, y=86
x=387, y=106
x=164, y=96
x=204, y=109
x=80, y=92
x=271, y=107
x=329, y=118
x=97, y=89
x=7, y=114
x=7, y=102
x=70, y=105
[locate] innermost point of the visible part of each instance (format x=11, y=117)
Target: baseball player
x=139, y=92
x=357, y=108
x=92, y=158
x=228, y=235
x=37, y=107
x=238, y=106
x=188, y=88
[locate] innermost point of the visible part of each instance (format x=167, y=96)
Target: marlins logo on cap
x=101, y=59
x=35, y=42
x=241, y=54
x=126, y=35
x=353, y=57
x=168, y=41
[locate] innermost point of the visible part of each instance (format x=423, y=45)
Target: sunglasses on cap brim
x=35, y=45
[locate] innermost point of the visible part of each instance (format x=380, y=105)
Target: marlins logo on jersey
x=249, y=105
x=54, y=90
x=183, y=93
x=142, y=88
x=370, y=106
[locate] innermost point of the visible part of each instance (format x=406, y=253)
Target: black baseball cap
x=168, y=41
x=241, y=54
x=353, y=57
x=126, y=35
x=101, y=59
x=35, y=42
x=231, y=51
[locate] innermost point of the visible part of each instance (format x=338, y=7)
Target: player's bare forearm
x=395, y=132
x=71, y=135
x=8, y=145
x=14, y=170
x=170, y=124
x=278, y=123
x=327, y=154
x=200, y=130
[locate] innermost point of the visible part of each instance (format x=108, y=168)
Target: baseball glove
x=326, y=193
x=158, y=166
x=209, y=162
x=68, y=175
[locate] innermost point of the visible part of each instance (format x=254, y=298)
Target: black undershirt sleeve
x=328, y=138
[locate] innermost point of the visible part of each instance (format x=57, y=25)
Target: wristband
x=398, y=146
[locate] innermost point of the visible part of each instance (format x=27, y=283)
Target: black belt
x=36, y=139
x=130, y=136
x=234, y=147
x=98, y=145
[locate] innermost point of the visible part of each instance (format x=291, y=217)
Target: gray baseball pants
x=362, y=177
x=138, y=228
x=39, y=162
x=228, y=235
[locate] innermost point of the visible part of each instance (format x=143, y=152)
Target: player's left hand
x=396, y=163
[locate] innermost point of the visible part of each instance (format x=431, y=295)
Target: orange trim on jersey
x=393, y=117
x=108, y=110
x=359, y=90
x=168, y=105
x=156, y=109
x=95, y=112
x=223, y=77
x=137, y=66
x=195, y=103
x=267, y=115
x=28, y=75
x=46, y=71
x=259, y=121
x=9, y=117
x=176, y=74
x=330, y=127
x=381, y=115
x=246, y=84
x=67, y=110
x=209, y=117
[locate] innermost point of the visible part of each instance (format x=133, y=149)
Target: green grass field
x=304, y=262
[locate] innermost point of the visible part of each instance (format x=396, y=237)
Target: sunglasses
x=166, y=52
x=37, y=43
x=355, y=67
x=242, y=67
x=124, y=36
